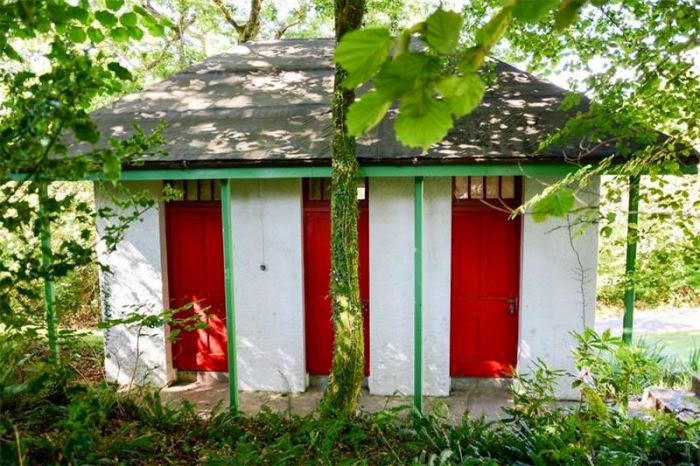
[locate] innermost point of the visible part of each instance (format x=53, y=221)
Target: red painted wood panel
x=317, y=271
x=196, y=275
x=485, y=276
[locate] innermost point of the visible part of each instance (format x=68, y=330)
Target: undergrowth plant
x=618, y=371
x=46, y=417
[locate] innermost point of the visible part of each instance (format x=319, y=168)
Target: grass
x=678, y=345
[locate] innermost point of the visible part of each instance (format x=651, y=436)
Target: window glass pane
x=191, y=190
x=217, y=190
x=361, y=190
x=476, y=187
x=492, y=187
x=205, y=190
x=507, y=187
x=461, y=189
x=315, y=187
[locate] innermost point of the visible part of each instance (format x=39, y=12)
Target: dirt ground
x=478, y=397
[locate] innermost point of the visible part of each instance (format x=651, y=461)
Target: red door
x=196, y=275
x=317, y=271
x=485, y=275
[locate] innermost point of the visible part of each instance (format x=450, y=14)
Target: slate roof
x=268, y=103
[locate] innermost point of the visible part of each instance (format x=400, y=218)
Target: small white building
x=254, y=124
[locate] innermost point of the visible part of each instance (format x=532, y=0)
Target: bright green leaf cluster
x=431, y=96
x=428, y=101
x=556, y=203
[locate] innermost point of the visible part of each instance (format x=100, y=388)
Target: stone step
x=684, y=404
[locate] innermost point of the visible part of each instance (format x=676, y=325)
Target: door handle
x=511, y=306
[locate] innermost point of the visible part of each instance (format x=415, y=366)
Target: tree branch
x=228, y=16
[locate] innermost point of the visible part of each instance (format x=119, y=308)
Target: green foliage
x=97, y=424
x=51, y=419
x=616, y=371
x=46, y=134
x=441, y=31
x=668, y=262
x=552, y=202
x=362, y=53
x=431, y=97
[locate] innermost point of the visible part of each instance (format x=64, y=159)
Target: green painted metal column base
x=418, y=295
x=228, y=285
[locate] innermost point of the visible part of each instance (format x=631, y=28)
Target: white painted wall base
x=391, y=286
x=136, y=283
x=269, y=303
x=558, y=288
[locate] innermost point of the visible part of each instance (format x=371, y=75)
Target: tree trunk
x=347, y=373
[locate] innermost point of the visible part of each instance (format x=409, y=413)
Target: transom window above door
x=195, y=190
x=485, y=187
x=319, y=189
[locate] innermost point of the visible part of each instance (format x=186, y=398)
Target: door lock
x=511, y=306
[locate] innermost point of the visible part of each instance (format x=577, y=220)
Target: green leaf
x=106, y=18
x=95, y=35
x=424, y=131
x=156, y=30
x=111, y=166
x=366, y=113
x=566, y=13
x=530, y=11
x=77, y=13
x=114, y=5
x=119, y=34
x=361, y=53
x=441, y=31
x=494, y=29
x=463, y=94
x=129, y=19
x=58, y=13
x=10, y=52
x=76, y=34
x=142, y=11
x=86, y=130
x=135, y=33
x=555, y=204
x=416, y=102
x=398, y=76
x=119, y=71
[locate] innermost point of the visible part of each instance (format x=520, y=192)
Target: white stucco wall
x=391, y=286
x=558, y=287
x=269, y=304
x=135, y=283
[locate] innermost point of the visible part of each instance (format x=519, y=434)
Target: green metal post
x=631, y=259
x=47, y=272
x=228, y=285
x=418, y=295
